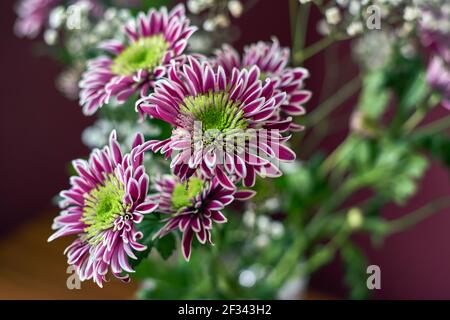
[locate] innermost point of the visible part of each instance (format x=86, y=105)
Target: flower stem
x=434, y=127
x=419, y=114
x=334, y=101
x=299, y=23
x=419, y=215
x=287, y=262
x=302, y=55
x=326, y=252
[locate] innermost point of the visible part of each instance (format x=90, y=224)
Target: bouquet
x=207, y=177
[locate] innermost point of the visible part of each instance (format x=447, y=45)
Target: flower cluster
x=193, y=207
x=218, y=12
x=230, y=119
x=272, y=61
x=154, y=40
x=225, y=126
x=354, y=17
x=106, y=201
x=33, y=16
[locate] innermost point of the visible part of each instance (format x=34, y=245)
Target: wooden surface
x=31, y=268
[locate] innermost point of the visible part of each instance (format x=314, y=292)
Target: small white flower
x=354, y=8
x=57, y=17
x=262, y=240
x=209, y=25
x=235, y=7
x=272, y=204
x=249, y=218
x=222, y=21
x=277, y=230
x=247, y=278
x=411, y=13
x=342, y=3
x=50, y=36
x=333, y=15
x=194, y=6
x=263, y=224
x=355, y=28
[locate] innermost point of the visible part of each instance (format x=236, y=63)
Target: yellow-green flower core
x=215, y=111
x=183, y=194
x=102, y=206
x=146, y=53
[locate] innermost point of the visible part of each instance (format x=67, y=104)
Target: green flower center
x=102, y=206
x=215, y=111
x=263, y=76
x=147, y=53
x=182, y=194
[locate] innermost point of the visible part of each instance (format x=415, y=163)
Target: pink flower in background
x=435, y=29
x=154, y=40
x=435, y=35
x=33, y=16
x=193, y=206
x=273, y=61
x=106, y=201
x=438, y=77
x=224, y=126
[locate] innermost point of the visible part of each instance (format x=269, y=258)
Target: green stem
x=302, y=55
x=342, y=193
x=334, y=101
x=415, y=119
x=419, y=215
x=299, y=23
x=418, y=115
x=293, y=10
x=287, y=263
x=434, y=127
x=325, y=253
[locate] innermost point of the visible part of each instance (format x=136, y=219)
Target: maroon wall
x=40, y=129
x=40, y=133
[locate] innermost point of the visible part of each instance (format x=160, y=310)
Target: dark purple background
x=40, y=134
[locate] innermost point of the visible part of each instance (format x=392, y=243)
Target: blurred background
x=41, y=133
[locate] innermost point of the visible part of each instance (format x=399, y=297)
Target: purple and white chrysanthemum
x=435, y=29
x=223, y=125
x=273, y=61
x=154, y=40
x=435, y=35
x=106, y=201
x=33, y=16
x=438, y=77
x=193, y=207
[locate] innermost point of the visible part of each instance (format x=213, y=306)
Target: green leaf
x=355, y=264
x=166, y=246
x=406, y=76
x=148, y=227
x=437, y=145
x=374, y=96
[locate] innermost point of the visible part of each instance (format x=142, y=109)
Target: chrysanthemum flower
x=438, y=77
x=106, y=201
x=434, y=27
x=33, y=16
x=153, y=41
x=273, y=62
x=193, y=206
x=222, y=125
